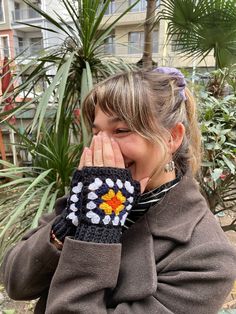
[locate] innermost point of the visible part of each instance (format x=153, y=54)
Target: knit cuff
x=98, y=233
x=63, y=228
x=76, y=177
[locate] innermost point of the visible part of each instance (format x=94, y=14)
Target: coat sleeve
x=87, y=271
x=28, y=267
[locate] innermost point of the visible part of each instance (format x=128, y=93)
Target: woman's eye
x=119, y=131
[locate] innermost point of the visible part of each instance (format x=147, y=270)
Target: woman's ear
x=177, y=135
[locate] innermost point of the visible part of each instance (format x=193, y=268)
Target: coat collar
x=176, y=216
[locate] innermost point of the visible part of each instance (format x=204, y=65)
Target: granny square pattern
x=109, y=201
x=101, y=196
x=74, y=203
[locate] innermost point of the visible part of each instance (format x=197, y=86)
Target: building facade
x=18, y=36
x=6, y=33
x=125, y=41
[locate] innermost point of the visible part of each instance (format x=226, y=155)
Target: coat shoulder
x=180, y=212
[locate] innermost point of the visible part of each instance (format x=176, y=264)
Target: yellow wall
x=133, y=21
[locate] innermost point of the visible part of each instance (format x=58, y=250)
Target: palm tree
x=146, y=60
x=197, y=28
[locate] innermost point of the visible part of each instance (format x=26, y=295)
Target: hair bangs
x=117, y=96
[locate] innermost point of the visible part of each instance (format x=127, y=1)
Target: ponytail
x=193, y=133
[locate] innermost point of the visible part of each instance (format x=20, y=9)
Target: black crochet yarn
x=63, y=228
x=76, y=177
x=88, y=173
x=98, y=233
x=77, y=219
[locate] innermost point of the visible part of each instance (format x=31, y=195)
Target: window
x=17, y=11
x=109, y=45
x=21, y=44
x=136, y=42
x=32, y=14
x=4, y=47
x=36, y=44
x=155, y=41
x=1, y=12
x=111, y=8
x=139, y=7
x=21, y=14
x=175, y=46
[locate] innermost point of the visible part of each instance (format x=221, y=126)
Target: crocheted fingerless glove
x=101, y=202
x=64, y=226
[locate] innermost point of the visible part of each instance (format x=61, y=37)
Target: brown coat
x=175, y=259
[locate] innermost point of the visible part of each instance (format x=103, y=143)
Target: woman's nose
x=104, y=133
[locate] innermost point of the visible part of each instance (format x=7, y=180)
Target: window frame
x=139, y=7
x=20, y=44
x=2, y=48
x=157, y=40
x=137, y=47
x=110, y=45
x=111, y=8
x=3, y=12
x=35, y=44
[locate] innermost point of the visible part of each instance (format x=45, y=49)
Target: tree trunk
x=148, y=31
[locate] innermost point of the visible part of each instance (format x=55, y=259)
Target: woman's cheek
x=126, y=147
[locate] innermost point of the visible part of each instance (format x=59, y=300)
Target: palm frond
x=198, y=28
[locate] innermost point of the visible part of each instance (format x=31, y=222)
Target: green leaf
x=42, y=106
x=42, y=205
x=229, y=164
x=9, y=311
x=36, y=181
x=62, y=87
x=85, y=87
x=17, y=212
x=197, y=28
x=52, y=201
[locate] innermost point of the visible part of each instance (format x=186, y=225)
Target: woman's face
x=140, y=156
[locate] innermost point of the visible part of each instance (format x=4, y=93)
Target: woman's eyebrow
x=111, y=120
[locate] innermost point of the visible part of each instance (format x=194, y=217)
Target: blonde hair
x=151, y=104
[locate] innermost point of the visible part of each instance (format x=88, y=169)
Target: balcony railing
x=26, y=14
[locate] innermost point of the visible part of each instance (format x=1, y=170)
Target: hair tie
x=180, y=82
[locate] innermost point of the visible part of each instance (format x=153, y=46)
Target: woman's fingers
x=107, y=150
x=119, y=160
x=103, y=152
x=97, y=151
x=81, y=163
x=88, y=158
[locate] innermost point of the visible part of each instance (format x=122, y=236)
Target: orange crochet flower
x=112, y=202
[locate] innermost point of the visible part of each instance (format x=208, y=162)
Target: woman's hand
x=105, y=152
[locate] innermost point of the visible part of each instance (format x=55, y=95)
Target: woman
x=135, y=235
